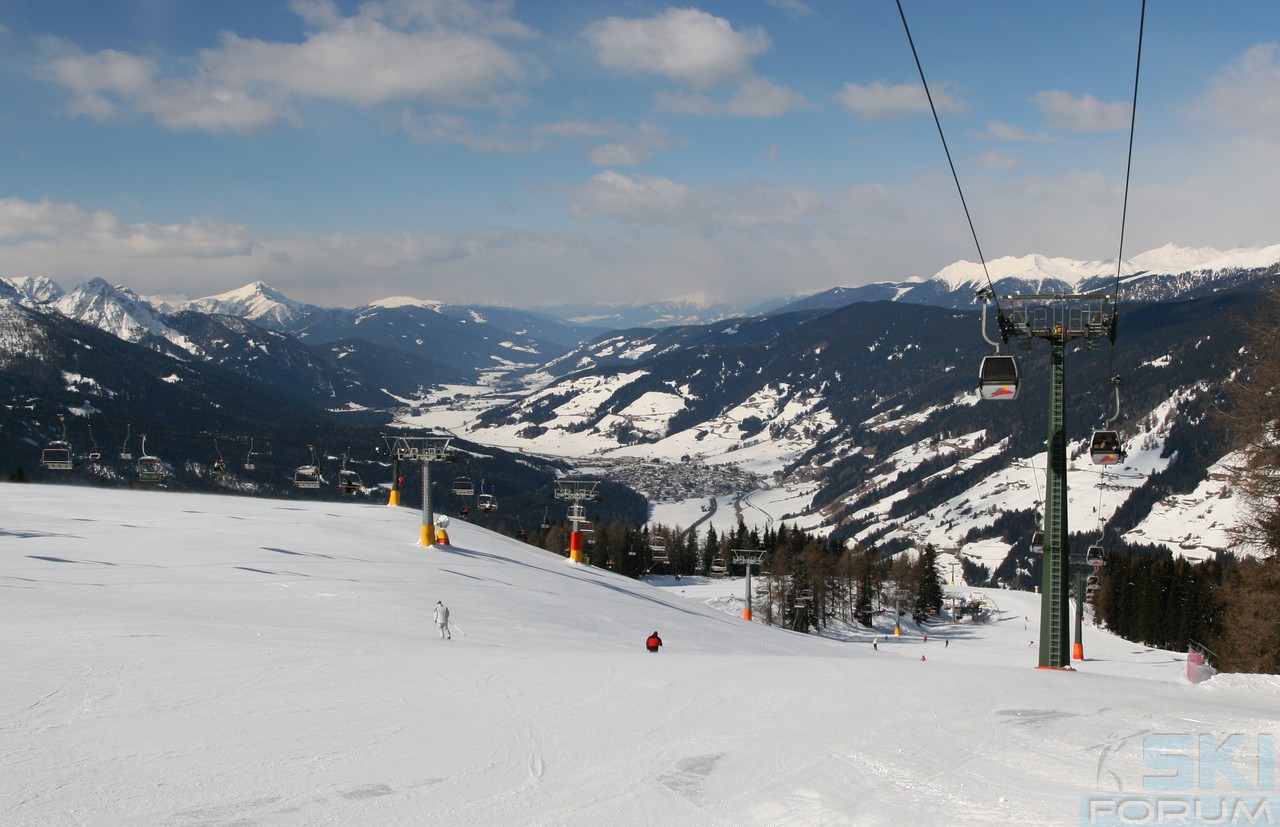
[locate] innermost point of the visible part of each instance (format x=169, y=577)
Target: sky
x=197, y=659
x=547, y=153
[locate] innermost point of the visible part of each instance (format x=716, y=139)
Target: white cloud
x=445, y=128
x=440, y=52
x=879, y=101
x=1246, y=94
x=794, y=7
x=1086, y=112
x=68, y=227
x=754, y=97
x=641, y=199
x=614, y=144
x=997, y=160
x=661, y=202
x=21, y=219
x=1001, y=131
x=685, y=45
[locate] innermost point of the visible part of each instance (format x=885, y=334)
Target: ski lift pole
x=428, y=520
x=1077, y=651
x=749, y=557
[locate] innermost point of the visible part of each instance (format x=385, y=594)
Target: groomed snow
x=187, y=659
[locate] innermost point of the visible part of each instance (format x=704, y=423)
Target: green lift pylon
x=1059, y=319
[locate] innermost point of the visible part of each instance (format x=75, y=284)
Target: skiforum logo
x=1189, y=778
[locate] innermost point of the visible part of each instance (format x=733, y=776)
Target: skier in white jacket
x=441, y=617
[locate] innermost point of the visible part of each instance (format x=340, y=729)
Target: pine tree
x=929, y=588
x=1249, y=640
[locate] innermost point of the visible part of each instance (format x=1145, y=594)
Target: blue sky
x=541, y=153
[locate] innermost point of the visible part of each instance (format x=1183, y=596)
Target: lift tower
x=1059, y=318
x=577, y=491
x=424, y=449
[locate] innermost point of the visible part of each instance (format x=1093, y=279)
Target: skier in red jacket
x=653, y=642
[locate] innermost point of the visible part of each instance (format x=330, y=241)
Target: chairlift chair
x=546, y=520
x=349, y=481
x=307, y=476
x=719, y=565
x=577, y=513
x=219, y=465
x=125, y=453
x=249, y=464
x=487, y=503
x=149, y=467
x=94, y=454
x=56, y=455
x=658, y=545
x=463, y=487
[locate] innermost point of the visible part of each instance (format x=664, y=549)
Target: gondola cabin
x=56, y=456
x=998, y=377
x=487, y=503
x=1037, y=543
x=1094, y=556
x=1105, y=448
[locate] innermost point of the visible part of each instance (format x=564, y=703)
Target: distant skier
x=441, y=617
x=653, y=642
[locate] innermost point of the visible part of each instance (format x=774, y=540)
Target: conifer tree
x=929, y=589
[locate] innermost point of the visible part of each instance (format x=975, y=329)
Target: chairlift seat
x=150, y=468
x=56, y=456
x=463, y=487
x=306, y=476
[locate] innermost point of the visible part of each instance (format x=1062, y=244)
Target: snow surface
x=195, y=659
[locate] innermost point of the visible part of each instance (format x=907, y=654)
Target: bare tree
x=1254, y=420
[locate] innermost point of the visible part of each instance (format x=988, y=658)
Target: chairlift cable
x=1124, y=209
x=954, y=176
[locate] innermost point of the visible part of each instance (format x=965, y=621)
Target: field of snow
x=185, y=659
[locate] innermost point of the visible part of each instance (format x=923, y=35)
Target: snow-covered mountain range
x=845, y=416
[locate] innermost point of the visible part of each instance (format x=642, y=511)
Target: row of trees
x=803, y=583
x=1229, y=605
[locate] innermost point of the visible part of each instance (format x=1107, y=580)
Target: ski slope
x=188, y=659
